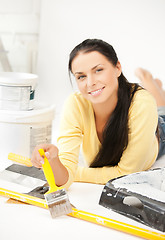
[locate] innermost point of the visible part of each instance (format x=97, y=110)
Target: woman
x=113, y=120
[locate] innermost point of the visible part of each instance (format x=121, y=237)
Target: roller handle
x=20, y=159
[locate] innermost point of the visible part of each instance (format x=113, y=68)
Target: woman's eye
x=81, y=77
x=99, y=70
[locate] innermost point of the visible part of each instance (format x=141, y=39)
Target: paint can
x=21, y=131
x=17, y=91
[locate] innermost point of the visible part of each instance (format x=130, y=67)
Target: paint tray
x=139, y=196
x=29, y=180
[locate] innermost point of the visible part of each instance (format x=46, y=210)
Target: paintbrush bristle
x=58, y=203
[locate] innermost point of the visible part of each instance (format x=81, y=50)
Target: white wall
x=136, y=29
x=19, y=28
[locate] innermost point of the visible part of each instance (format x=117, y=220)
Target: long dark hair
x=115, y=134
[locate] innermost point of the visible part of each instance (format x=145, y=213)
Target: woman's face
x=96, y=77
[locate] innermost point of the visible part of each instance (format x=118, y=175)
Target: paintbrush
x=56, y=198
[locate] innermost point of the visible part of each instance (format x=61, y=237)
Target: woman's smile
x=96, y=92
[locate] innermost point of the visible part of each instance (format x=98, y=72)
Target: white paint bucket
x=17, y=90
x=21, y=131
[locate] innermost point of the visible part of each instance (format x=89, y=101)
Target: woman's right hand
x=51, y=152
x=61, y=174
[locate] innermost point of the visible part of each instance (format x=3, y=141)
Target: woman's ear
x=119, y=70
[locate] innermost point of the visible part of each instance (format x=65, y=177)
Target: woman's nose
x=91, y=80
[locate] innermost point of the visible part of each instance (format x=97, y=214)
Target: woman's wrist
x=60, y=172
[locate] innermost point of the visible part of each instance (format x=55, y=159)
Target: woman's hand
x=51, y=151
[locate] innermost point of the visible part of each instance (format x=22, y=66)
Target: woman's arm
x=64, y=159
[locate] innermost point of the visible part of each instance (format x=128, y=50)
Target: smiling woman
x=97, y=78
x=113, y=120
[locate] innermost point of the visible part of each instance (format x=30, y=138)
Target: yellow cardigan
x=77, y=128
